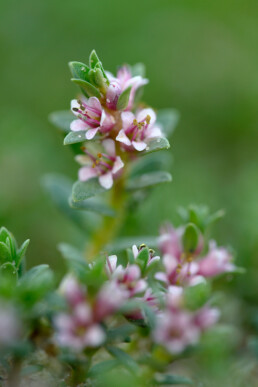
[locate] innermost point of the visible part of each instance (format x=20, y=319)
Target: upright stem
x=110, y=226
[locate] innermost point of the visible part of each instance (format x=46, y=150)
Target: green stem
x=110, y=226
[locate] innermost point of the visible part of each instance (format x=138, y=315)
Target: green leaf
x=150, y=163
x=190, y=238
x=142, y=258
x=62, y=119
x=60, y=188
x=196, y=296
x=123, y=99
x=164, y=379
x=154, y=145
x=5, y=253
x=79, y=70
x=85, y=189
x=21, y=252
x=34, y=284
x=8, y=269
x=97, y=78
x=91, y=90
x=75, y=137
x=94, y=59
x=124, y=359
x=4, y=234
x=148, y=180
x=75, y=260
x=103, y=367
x=168, y=118
x=93, y=205
x=120, y=333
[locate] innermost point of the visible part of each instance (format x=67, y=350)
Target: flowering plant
x=124, y=311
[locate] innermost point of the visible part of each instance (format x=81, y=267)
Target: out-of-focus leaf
x=168, y=118
x=85, y=189
x=150, y=163
x=93, y=205
x=148, y=180
x=161, y=379
x=62, y=119
x=120, y=333
x=5, y=253
x=190, y=238
x=21, y=252
x=75, y=260
x=196, y=296
x=103, y=367
x=124, y=359
x=142, y=258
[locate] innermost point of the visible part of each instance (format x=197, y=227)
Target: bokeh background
x=201, y=58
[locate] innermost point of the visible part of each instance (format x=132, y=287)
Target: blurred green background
x=201, y=58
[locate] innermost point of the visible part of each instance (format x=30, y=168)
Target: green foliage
x=10, y=256
x=156, y=144
x=196, y=296
x=167, y=379
x=123, y=99
x=190, y=238
x=86, y=189
x=148, y=180
x=62, y=119
x=168, y=118
x=200, y=216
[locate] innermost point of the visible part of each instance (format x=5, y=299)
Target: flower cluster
x=181, y=304
x=111, y=116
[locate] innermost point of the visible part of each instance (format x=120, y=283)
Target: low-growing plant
x=128, y=308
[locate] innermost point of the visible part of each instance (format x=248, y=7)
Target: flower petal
x=139, y=145
x=118, y=164
x=109, y=146
x=77, y=125
x=127, y=119
x=122, y=137
x=142, y=114
x=86, y=173
x=91, y=133
x=106, y=180
x=94, y=336
x=94, y=103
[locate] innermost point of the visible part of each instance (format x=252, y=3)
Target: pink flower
x=109, y=299
x=91, y=117
x=206, y=317
x=10, y=325
x=176, y=330
x=217, y=261
x=129, y=278
x=106, y=166
x=179, y=267
x=72, y=291
x=150, y=299
x=78, y=328
x=122, y=82
x=74, y=333
x=137, y=129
